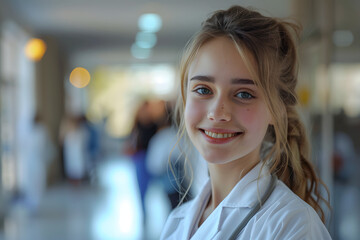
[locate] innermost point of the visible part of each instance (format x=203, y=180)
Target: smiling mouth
x=220, y=135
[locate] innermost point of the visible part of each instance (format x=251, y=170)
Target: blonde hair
x=270, y=43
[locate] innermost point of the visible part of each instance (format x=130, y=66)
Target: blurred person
x=165, y=161
x=238, y=108
x=39, y=152
x=74, y=137
x=92, y=147
x=144, y=128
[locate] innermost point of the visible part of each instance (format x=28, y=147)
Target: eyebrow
x=242, y=81
x=203, y=78
x=212, y=79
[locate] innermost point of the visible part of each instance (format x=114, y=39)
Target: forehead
x=221, y=58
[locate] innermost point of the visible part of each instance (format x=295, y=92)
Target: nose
x=219, y=112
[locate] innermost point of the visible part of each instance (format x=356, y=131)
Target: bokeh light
x=304, y=95
x=146, y=39
x=343, y=38
x=79, y=77
x=150, y=22
x=139, y=52
x=35, y=49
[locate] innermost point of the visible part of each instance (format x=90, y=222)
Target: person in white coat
x=39, y=151
x=237, y=107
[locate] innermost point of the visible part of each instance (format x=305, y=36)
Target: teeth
x=219, y=135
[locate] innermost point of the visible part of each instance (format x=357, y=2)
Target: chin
x=217, y=158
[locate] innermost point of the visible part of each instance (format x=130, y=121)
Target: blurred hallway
x=105, y=210
x=122, y=63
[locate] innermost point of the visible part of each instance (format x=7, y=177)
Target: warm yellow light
x=35, y=49
x=304, y=96
x=79, y=77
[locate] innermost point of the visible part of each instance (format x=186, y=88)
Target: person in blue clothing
x=238, y=108
x=143, y=130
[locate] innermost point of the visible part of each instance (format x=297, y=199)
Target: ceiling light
x=150, y=22
x=35, y=49
x=146, y=39
x=79, y=77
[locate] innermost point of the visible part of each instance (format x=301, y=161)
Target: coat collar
x=249, y=189
x=188, y=213
x=194, y=205
x=243, y=196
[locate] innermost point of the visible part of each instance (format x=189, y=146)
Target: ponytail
x=294, y=167
x=291, y=152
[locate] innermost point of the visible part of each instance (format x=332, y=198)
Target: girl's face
x=226, y=116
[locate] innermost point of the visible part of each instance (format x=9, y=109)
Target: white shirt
x=283, y=216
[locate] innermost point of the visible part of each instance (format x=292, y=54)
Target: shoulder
x=283, y=199
x=286, y=216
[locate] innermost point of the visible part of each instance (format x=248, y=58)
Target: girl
x=238, y=78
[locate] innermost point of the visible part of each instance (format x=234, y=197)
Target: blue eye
x=244, y=95
x=202, y=91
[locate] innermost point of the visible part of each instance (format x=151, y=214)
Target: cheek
x=247, y=115
x=194, y=112
x=254, y=117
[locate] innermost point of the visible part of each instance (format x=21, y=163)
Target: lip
x=219, y=130
x=219, y=140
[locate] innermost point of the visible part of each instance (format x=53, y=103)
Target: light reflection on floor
x=108, y=211
x=119, y=216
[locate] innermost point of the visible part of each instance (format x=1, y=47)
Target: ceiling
x=96, y=27
x=101, y=29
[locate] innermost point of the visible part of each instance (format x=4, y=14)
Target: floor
x=109, y=209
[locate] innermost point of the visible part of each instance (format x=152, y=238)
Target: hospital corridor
x=89, y=130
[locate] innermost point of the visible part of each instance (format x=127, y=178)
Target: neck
x=224, y=178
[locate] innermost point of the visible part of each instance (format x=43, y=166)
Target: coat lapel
x=183, y=219
x=235, y=207
x=226, y=217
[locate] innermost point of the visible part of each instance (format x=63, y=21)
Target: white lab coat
x=75, y=152
x=283, y=216
x=39, y=151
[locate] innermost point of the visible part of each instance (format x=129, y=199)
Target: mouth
x=220, y=134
